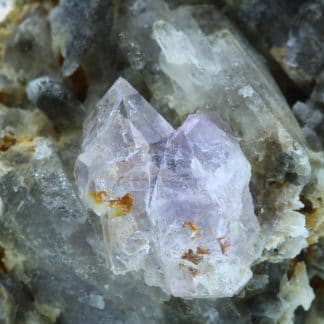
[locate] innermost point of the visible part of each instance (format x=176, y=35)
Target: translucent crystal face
x=173, y=203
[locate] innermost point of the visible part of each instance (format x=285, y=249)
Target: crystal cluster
x=57, y=58
x=190, y=65
x=173, y=203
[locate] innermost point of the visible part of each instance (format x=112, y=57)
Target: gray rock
x=28, y=52
x=56, y=101
x=60, y=243
x=303, y=56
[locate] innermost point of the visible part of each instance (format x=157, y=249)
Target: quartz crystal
x=57, y=58
x=190, y=63
x=173, y=203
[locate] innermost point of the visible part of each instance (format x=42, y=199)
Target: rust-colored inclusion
x=190, y=225
x=6, y=142
x=201, y=250
x=98, y=196
x=121, y=206
x=192, y=257
x=194, y=229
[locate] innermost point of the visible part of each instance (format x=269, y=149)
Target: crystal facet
x=191, y=62
x=173, y=203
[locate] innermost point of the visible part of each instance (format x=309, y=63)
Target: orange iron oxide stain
x=192, y=257
x=98, y=196
x=194, y=229
x=121, y=206
x=201, y=250
x=6, y=142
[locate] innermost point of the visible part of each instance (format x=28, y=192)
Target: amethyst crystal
x=173, y=203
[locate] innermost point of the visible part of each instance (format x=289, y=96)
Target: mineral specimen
x=58, y=58
x=190, y=63
x=175, y=204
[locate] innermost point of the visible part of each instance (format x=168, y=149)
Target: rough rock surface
x=295, y=40
x=66, y=54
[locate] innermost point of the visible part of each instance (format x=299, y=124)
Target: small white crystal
x=295, y=292
x=173, y=203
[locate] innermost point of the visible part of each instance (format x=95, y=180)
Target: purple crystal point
x=173, y=203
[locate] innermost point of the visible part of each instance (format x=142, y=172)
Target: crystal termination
x=174, y=204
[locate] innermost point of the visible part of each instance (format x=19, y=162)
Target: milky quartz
x=174, y=204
